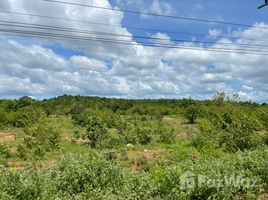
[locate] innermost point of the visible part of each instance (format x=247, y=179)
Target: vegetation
x=74, y=147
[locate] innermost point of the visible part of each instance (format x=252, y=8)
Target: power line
x=263, y=5
x=105, y=40
x=157, y=15
x=56, y=28
x=128, y=27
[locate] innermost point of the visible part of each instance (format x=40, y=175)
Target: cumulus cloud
x=248, y=88
x=32, y=67
x=86, y=63
x=14, y=55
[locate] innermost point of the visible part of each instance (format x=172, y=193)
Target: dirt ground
x=7, y=137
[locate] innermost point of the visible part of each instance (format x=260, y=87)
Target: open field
x=93, y=148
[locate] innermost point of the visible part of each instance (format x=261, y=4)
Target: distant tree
x=235, y=98
x=115, y=107
x=219, y=98
x=24, y=101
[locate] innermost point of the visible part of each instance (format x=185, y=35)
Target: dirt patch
x=16, y=165
x=150, y=153
x=168, y=118
x=172, y=121
x=45, y=164
x=7, y=137
x=263, y=197
x=67, y=137
x=78, y=141
x=142, y=159
x=13, y=149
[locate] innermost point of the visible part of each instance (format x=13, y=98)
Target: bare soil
x=7, y=137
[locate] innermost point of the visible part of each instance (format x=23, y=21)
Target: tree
x=191, y=114
x=241, y=133
x=219, y=98
x=38, y=140
x=24, y=101
x=96, y=131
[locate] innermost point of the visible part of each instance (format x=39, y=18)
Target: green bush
x=140, y=130
x=192, y=114
x=76, y=134
x=233, y=132
x=94, y=177
x=97, y=132
x=5, y=152
x=27, y=117
x=114, y=139
x=38, y=140
x=166, y=134
x=110, y=119
x=241, y=133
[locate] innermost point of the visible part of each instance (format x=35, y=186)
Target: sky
x=44, y=68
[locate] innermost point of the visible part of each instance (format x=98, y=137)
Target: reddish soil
x=45, y=163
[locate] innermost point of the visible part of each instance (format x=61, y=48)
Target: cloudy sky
x=47, y=67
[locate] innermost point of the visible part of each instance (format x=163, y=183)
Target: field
x=74, y=147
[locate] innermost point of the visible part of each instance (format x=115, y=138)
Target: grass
x=155, y=153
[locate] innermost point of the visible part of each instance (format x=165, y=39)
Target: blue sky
x=44, y=68
x=239, y=11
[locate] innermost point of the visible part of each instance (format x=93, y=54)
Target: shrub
x=94, y=177
x=145, y=136
x=96, y=131
x=38, y=140
x=110, y=119
x=27, y=117
x=232, y=132
x=191, y=114
x=114, y=139
x=241, y=133
x=166, y=134
x=5, y=152
x=76, y=134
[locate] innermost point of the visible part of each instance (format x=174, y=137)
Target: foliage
x=27, y=116
x=38, y=140
x=76, y=134
x=191, y=114
x=241, y=133
x=96, y=131
x=4, y=152
x=231, y=131
x=166, y=134
x=93, y=177
x=137, y=153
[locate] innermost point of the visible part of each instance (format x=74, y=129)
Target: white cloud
x=160, y=7
x=86, y=63
x=29, y=67
x=214, y=32
x=15, y=55
x=248, y=88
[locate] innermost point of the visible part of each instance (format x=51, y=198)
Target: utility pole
x=265, y=4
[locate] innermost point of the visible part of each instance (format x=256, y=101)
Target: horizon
x=226, y=98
